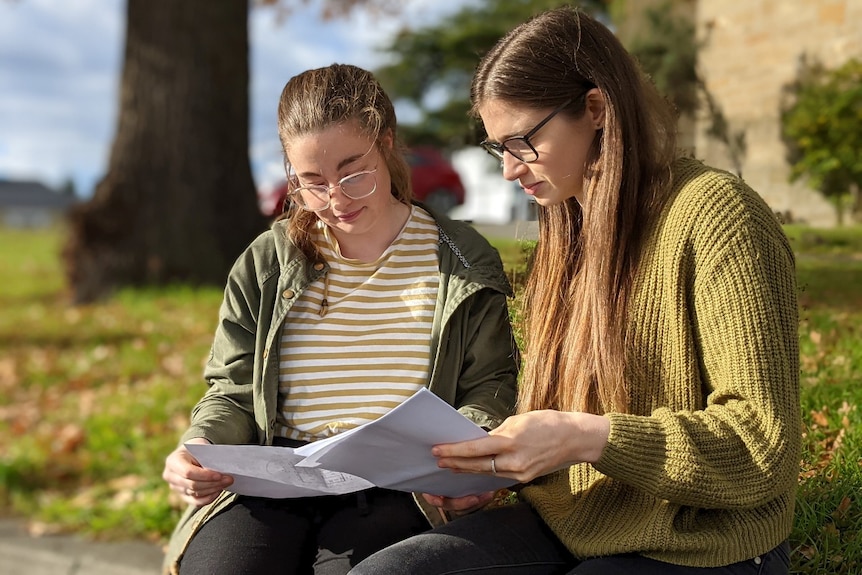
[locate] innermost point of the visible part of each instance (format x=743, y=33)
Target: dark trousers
x=314, y=535
x=513, y=540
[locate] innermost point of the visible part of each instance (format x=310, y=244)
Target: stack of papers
x=393, y=451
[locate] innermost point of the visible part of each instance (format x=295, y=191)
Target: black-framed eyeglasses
x=520, y=146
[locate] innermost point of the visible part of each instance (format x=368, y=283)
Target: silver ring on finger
x=493, y=465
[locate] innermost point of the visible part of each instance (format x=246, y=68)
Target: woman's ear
x=387, y=140
x=595, y=107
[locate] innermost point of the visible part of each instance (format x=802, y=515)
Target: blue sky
x=59, y=76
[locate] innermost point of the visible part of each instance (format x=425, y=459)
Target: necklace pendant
x=324, y=306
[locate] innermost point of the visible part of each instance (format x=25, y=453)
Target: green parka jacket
x=474, y=355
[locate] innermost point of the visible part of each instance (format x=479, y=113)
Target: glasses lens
x=495, y=150
x=359, y=185
x=521, y=149
x=313, y=198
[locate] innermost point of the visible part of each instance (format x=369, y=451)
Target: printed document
x=393, y=451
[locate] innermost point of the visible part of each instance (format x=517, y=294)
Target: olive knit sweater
x=703, y=469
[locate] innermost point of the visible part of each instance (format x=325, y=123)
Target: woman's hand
x=460, y=505
x=195, y=484
x=529, y=445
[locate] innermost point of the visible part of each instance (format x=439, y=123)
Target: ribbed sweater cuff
x=636, y=451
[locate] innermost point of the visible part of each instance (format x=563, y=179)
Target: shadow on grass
x=830, y=282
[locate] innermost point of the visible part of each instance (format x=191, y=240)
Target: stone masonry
x=750, y=50
x=753, y=50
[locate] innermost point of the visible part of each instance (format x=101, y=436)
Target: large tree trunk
x=856, y=202
x=178, y=202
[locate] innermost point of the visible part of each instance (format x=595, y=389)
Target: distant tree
x=178, y=202
x=667, y=48
x=719, y=128
x=67, y=189
x=433, y=66
x=821, y=124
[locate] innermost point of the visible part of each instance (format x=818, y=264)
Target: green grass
x=828, y=524
x=93, y=398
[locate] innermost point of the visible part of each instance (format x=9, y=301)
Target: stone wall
x=753, y=49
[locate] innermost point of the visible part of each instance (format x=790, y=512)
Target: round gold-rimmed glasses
x=317, y=198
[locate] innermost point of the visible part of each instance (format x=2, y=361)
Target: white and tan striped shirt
x=371, y=349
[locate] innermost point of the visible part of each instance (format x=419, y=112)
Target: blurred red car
x=435, y=183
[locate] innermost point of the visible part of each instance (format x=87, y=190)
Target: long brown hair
x=575, y=299
x=339, y=94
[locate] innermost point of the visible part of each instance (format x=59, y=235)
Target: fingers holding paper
x=460, y=505
x=529, y=445
x=195, y=484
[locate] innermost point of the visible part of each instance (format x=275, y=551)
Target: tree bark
x=178, y=201
x=856, y=202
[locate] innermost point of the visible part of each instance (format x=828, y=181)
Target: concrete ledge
x=21, y=554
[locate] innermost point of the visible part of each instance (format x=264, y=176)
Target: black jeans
x=314, y=535
x=513, y=540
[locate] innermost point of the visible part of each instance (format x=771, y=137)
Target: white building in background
x=490, y=199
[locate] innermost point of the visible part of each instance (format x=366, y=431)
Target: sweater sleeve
x=738, y=444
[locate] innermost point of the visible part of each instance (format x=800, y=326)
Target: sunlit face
x=563, y=145
x=325, y=158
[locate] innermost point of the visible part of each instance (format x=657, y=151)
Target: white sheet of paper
x=272, y=472
x=394, y=451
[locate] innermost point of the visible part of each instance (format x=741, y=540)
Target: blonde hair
x=582, y=271
x=338, y=94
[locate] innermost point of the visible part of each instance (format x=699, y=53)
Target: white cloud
x=58, y=72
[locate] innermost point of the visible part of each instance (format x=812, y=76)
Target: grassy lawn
x=93, y=398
